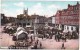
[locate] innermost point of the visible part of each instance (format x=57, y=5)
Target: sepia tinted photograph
x=39, y=24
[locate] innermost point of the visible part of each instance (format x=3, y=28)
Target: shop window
x=67, y=28
x=71, y=28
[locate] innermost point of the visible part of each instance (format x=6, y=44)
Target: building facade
x=30, y=20
x=3, y=19
x=68, y=19
x=51, y=21
x=24, y=19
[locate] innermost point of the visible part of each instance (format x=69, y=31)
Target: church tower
x=77, y=3
x=25, y=11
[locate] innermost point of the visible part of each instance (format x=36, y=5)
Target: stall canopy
x=21, y=33
x=20, y=28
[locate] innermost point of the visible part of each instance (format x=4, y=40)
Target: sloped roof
x=20, y=28
x=18, y=33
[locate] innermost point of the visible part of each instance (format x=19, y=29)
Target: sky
x=47, y=8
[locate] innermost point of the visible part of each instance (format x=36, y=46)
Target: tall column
x=35, y=25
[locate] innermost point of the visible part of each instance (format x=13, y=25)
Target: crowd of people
x=59, y=34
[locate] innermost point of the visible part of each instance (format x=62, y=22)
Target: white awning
x=31, y=30
x=51, y=27
x=7, y=26
x=20, y=28
x=20, y=32
x=28, y=25
x=65, y=31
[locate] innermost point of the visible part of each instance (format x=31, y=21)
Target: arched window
x=28, y=23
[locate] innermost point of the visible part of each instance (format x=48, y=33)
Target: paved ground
x=6, y=40
x=52, y=44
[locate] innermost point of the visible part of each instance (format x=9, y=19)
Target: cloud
x=3, y=5
x=52, y=9
x=13, y=14
x=38, y=5
x=53, y=6
x=38, y=9
x=6, y=12
x=20, y=4
x=19, y=11
x=44, y=10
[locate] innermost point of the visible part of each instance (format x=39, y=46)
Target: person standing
x=40, y=45
x=63, y=47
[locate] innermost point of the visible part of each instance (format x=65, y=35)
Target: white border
x=40, y=0
x=46, y=0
